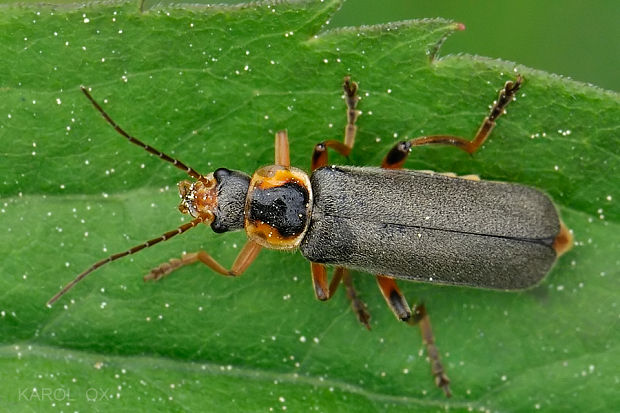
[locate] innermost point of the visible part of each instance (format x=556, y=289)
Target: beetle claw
x=443, y=382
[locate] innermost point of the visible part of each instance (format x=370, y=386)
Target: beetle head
x=199, y=198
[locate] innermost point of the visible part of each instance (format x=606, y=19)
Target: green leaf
x=211, y=85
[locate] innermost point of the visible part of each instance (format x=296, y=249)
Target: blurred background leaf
x=570, y=37
x=211, y=86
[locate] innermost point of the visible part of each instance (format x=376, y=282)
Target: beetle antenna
x=130, y=251
x=190, y=171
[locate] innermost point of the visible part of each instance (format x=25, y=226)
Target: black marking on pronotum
x=283, y=208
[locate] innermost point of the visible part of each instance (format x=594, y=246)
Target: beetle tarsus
x=351, y=98
x=164, y=269
x=443, y=382
x=350, y=90
x=505, y=97
x=359, y=307
x=422, y=320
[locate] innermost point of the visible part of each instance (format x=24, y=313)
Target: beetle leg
x=394, y=298
x=282, y=157
x=246, y=256
x=358, y=306
x=319, y=281
x=351, y=98
x=398, y=154
x=324, y=293
x=397, y=303
x=421, y=318
x=319, y=156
